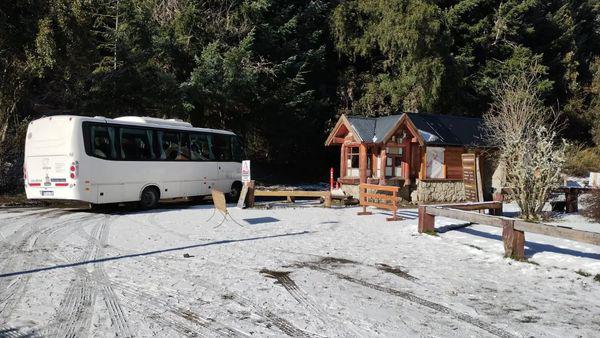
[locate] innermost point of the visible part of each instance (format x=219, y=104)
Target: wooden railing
x=370, y=195
x=513, y=230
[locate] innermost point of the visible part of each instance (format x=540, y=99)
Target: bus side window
x=222, y=147
x=238, y=151
x=100, y=141
x=135, y=144
x=184, y=148
x=168, y=144
x=200, y=148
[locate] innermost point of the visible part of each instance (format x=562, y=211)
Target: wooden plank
x=219, y=202
x=378, y=205
x=379, y=187
x=468, y=216
x=469, y=177
x=293, y=193
x=379, y=196
x=554, y=231
x=243, y=194
x=473, y=206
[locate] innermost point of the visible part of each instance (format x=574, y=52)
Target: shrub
x=580, y=160
x=592, y=205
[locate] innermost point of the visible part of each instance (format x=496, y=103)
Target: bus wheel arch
x=149, y=196
x=236, y=190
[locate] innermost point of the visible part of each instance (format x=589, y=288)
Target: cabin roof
x=449, y=129
x=445, y=130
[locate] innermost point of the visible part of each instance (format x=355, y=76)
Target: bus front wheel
x=149, y=198
x=236, y=190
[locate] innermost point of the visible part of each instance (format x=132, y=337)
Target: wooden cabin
x=416, y=151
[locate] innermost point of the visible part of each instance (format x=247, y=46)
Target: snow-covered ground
x=303, y=271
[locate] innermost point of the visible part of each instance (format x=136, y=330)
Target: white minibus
x=100, y=160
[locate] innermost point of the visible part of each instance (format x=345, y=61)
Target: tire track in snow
x=304, y=299
x=74, y=315
x=12, y=289
x=418, y=300
x=298, y=294
x=113, y=305
x=269, y=317
x=174, y=316
x=283, y=324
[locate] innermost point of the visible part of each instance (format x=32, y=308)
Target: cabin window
x=393, y=165
x=352, y=162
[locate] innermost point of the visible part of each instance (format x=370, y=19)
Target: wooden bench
x=387, y=201
x=292, y=194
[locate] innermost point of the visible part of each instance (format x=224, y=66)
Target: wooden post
x=327, y=201
x=408, y=156
x=497, y=197
x=362, y=162
x=247, y=195
x=423, y=171
x=571, y=197
x=363, y=201
x=514, y=240
x=343, y=161
x=383, y=161
x=426, y=222
x=394, y=207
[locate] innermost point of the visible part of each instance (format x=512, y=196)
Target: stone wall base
x=439, y=191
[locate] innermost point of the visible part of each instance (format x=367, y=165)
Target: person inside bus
x=171, y=150
x=184, y=149
x=101, y=146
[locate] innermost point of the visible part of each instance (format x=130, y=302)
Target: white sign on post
x=435, y=162
x=246, y=171
x=594, y=180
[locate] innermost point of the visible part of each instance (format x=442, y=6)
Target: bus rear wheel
x=149, y=198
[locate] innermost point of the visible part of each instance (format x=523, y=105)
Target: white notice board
x=246, y=171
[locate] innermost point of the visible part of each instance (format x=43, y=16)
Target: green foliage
x=403, y=44
x=581, y=160
x=279, y=72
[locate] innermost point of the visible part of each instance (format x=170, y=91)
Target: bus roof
x=143, y=121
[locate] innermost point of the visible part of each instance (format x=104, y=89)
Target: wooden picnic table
x=570, y=204
x=572, y=197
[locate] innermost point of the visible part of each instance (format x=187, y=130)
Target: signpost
x=248, y=184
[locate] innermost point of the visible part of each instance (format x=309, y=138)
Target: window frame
x=397, y=171
x=181, y=132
